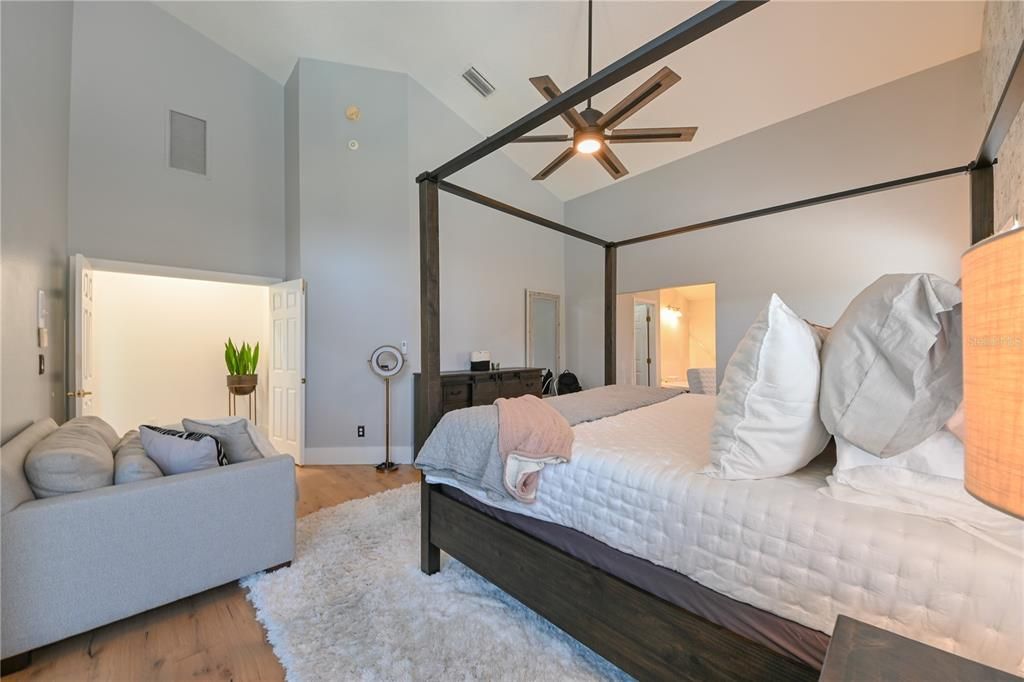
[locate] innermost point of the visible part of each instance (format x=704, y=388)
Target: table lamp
x=993, y=332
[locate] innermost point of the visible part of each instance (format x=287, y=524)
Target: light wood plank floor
x=213, y=635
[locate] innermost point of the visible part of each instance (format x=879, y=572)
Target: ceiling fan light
x=588, y=142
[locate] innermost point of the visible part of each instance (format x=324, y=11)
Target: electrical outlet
x=361, y=431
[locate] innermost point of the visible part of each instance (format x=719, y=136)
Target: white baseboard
x=357, y=455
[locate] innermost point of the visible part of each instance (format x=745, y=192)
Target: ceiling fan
x=593, y=131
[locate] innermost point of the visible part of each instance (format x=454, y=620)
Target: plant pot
x=242, y=384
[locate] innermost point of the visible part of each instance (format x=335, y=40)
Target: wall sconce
x=674, y=311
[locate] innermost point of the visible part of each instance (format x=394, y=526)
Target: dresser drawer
x=485, y=390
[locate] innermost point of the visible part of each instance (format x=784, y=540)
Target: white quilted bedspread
x=777, y=544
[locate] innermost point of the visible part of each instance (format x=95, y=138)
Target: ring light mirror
x=387, y=361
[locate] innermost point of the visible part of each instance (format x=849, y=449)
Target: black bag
x=568, y=383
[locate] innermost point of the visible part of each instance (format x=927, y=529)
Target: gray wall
x=291, y=176
x=816, y=259
x=36, y=64
x=131, y=63
x=1002, y=33
x=358, y=243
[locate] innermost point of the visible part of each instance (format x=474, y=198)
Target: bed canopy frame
x=636, y=630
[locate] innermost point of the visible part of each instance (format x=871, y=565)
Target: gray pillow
x=176, y=452
x=131, y=463
x=234, y=438
x=891, y=368
x=72, y=459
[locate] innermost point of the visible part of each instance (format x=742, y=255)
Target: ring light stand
x=387, y=362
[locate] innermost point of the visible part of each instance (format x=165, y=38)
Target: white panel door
x=81, y=389
x=287, y=387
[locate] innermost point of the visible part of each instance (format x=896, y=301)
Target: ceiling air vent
x=479, y=83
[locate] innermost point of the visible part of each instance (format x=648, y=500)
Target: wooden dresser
x=466, y=389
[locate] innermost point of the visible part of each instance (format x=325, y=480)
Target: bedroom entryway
x=667, y=337
x=147, y=346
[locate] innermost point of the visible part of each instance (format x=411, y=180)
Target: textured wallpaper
x=1002, y=33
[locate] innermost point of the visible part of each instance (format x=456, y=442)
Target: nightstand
x=860, y=652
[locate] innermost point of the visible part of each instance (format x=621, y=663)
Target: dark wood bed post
x=610, y=291
x=430, y=350
x=983, y=203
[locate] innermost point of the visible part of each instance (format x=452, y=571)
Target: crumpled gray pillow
x=233, y=437
x=891, y=368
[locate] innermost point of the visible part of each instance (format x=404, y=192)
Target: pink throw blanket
x=531, y=434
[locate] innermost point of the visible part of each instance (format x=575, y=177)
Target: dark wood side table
x=860, y=652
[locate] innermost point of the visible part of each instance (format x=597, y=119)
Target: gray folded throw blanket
x=464, y=445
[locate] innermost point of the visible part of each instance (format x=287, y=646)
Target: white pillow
x=926, y=480
x=941, y=454
x=766, y=418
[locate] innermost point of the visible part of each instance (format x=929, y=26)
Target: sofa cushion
x=102, y=429
x=14, y=488
x=73, y=458
x=234, y=436
x=130, y=461
x=179, y=452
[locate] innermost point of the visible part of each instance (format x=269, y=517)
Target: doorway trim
x=131, y=268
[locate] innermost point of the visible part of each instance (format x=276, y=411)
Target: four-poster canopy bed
x=641, y=633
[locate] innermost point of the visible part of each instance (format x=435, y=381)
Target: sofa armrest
x=75, y=562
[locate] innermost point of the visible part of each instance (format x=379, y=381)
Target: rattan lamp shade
x=993, y=318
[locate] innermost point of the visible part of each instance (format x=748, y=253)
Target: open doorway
x=147, y=346
x=667, y=337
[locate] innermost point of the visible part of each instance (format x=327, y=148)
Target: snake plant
x=242, y=360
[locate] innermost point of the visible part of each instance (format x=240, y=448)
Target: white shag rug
x=355, y=606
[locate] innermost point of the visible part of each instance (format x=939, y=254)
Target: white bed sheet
x=778, y=544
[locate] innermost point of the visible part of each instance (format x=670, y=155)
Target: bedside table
x=860, y=652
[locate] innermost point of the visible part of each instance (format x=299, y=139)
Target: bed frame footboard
x=640, y=633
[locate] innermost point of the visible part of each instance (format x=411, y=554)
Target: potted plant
x=241, y=363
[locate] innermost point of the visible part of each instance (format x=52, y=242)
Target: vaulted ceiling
x=779, y=61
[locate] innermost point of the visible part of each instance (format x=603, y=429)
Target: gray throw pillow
x=131, y=463
x=233, y=436
x=177, y=452
x=891, y=368
x=72, y=459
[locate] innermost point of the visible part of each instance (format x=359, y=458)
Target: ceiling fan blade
x=556, y=164
x=606, y=157
x=544, y=138
x=652, y=135
x=639, y=98
x=549, y=90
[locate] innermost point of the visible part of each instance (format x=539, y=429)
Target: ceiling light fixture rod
x=590, y=41
x=696, y=27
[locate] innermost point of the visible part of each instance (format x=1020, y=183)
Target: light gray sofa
x=72, y=563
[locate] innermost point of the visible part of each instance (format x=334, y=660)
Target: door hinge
x=302, y=380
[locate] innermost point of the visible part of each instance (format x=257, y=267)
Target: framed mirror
x=544, y=331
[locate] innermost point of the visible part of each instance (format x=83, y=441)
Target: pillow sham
x=926, y=480
x=766, y=415
x=236, y=434
x=891, y=370
x=179, y=452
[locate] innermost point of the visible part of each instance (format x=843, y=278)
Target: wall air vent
x=186, y=143
x=479, y=83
